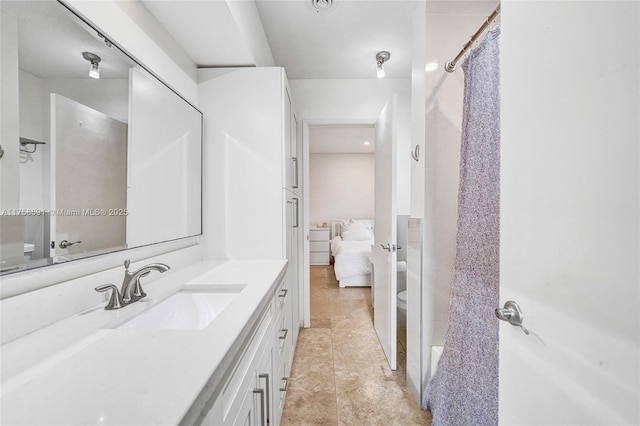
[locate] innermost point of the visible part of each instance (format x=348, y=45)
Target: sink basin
x=187, y=309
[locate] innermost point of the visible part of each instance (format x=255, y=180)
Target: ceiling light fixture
x=367, y=142
x=381, y=58
x=431, y=66
x=94, y=68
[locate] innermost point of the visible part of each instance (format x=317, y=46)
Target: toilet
x=28, y=251
x=402, y=302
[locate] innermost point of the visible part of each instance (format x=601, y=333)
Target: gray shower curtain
x=464, y=390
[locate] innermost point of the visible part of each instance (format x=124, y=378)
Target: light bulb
x=431, y=66
x=380, y=70
x=94, y=70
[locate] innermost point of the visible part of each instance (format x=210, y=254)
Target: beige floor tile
x=402, y=338
x=349, y=322
x=321, y=323
x=356, y=346
x=314, y=345
x=340, y=375
x=312, y=376
x=307, y=407
x=351, y=308
x=321, y=306
x=371, y=395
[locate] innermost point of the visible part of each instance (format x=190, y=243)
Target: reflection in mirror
x=101, y=156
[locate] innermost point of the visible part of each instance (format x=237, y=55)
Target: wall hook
x=415, y=154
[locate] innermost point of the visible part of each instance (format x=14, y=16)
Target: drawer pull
x=295, y=172
x=266, y=377
x=286, y=384
x=286, y=331
x=261, y=392
x=283, y=292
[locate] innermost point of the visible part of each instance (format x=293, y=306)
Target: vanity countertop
x=79, y=371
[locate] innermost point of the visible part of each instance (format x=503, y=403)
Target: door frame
x=306, y=267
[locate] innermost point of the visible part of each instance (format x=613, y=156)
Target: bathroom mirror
x=97, y=154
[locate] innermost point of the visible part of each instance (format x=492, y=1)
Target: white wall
x=414, y=252
x=341, y=186
x=357, y=101
x=418, y=116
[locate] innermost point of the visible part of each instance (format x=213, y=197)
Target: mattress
x=351, y=257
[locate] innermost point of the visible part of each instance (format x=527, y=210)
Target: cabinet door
x=281, y=387
x=265, y=381
x=293, y=272
x=295, y=152
x=291, y=146
x=249, y=412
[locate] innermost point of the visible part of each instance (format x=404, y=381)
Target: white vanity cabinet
x=255, y=388
x=252, y=147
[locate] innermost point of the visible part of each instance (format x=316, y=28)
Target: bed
x=351, y=242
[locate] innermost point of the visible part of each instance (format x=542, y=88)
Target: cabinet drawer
x=319, y=258
x=319, y=246
x=319, y=234
x=237, y=383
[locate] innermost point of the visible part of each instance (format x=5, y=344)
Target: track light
x=381, y=58
x=94, y=68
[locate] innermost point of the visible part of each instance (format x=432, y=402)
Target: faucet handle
x=115, y=301
x=127, y=262
x=138, y=292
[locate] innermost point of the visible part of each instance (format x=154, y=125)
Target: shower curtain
x=464, y=389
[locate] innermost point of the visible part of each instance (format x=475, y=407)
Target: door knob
x=512, y=314
x=64, y=243
x=390, y=247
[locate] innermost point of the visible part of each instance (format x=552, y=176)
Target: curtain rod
x=451, y=65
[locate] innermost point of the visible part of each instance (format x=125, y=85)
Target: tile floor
x=340, y=375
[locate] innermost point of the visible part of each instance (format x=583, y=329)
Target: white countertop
x=79, y=372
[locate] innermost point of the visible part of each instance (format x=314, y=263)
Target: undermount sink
x=191, y=308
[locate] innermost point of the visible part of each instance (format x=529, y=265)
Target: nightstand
x=319, y=246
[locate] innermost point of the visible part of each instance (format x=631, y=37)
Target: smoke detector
x=321, y=6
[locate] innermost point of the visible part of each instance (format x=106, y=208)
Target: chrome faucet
x=131, y=290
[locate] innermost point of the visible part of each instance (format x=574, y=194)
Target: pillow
x=366, y=222
x=357, y=232
x=345, y=224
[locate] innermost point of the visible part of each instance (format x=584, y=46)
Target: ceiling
x=338, y=43
x=341, y=42
x=51, y=44
x=206, y=30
